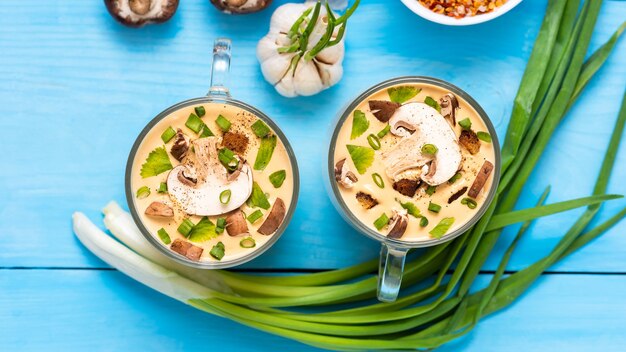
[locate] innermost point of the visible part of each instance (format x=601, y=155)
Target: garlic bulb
x=303, y=52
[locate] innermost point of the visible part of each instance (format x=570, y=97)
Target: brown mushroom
x=136, y=13
x=366, y=200
x=236, y=223
x=470, y=141
x=187, y=180
x=382, y=109
x=449, y=104
x=159, y=210
x=187, y=249
x=343, y=175
x=274, y=219
x=397, y=224
x=406, y=186
x=240, y=6
x=456, y=195
x=236, y=142
x=481, y=179
x=180, y=147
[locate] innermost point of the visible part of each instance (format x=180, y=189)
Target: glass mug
x=393, y=252
x=218, y=94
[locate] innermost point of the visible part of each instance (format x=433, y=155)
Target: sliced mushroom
x=159, y=210
x=274, y=218
x=470, y=141
x=406, y=187
x=449, y=104
x=366, y=200
x=240, y=6
x=481, y=179
x=457, y=194
x=181, y=145
x=382, y=109
x=187, y=249
x=420, y=124
x=343, y=175
x=202, y=197
x=136, y=13
x=236, y=223
x=397, y=224
x=236, y=142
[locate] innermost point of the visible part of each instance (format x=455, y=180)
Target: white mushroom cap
x=420, y=124
x=202, y=197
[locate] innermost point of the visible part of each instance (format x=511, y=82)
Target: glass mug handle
x=390, y=271
x=220, y=67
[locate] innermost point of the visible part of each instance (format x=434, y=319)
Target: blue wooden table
x=76, y=88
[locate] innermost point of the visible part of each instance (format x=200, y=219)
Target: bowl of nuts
x=460, y=12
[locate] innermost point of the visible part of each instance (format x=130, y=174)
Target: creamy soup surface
x=221, y=193
x=406, y=170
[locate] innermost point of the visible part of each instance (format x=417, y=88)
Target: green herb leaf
x=143, y=192
x=217, y=251
x=258, y=198
x=200, y=110
x=465, y=124
x=402, y=94
x=256, y=215
x=168, y=134
x=277, y=178
x=223, y=123
x=260, y=129
x=157, y=162
x=164, y=236
x=432, y=103
x=442, y=227
x=484, y=136
x=264, y=155
x=204, y=230
x=247, y=242
x=360, y=124
x=411, y=208
x=362, y=157
x=381, y=222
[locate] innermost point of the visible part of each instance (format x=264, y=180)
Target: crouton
x=406, y=187
x=470, y=141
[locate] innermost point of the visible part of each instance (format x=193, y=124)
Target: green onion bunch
x=336, y=309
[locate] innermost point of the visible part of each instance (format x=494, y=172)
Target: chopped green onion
x=429, y=149
x=223, y=123
x=484, y=136
x=219, y=230
x=260, y=129
x=256, y=215
x=454, y=178
x=164, y=236
x=378, y=180
x=217, y=251
x=185, y=227
x=411, y=209
x=194, y=123
x=206, y=132
x=200, y=110
x=221, y=222
x=373, y=141
x=225, y=196
x=431, y=190
x=227, y=158
x=465, y=124
x=381, y=222
x=162, y=188
x=435, y=208
x=143, y=192
x=384, y=131
x=258, y=198
x=264, y=155
x=247, y=242
x=469, y=202
x=432, y=103
x=277, y=178
x=423, y=221
x=442, y=227
x=168, y=134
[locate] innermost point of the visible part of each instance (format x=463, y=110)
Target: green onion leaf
x=381, y=222
x=384, y=131
x=362, y=157
x=277, y=178
x=228, y=159
x=432, y=103
x=423, y=221
x=360, y=124
x=455, y=178
x=194, y=123
x=157, y=162
x=442, y=227
x=221, y=222
x=465, y=124
x=373, y=141
x=200, y=110
x=185, y=227
x=143, y=192
x=217, y=251
x=164, y=236
x=256, y=215
x=411, y=208
x=206, y=132
x=264, y=155
x=162, y=188
x=168, y=134
x=203, y=231
x=225, y=196
x=484, y=136
x=378, y=180
x=247, y=242
x=258, y=198
x=260, y=129
x=429, y=149
x=223, y=123
x=402, y=94
x=431, y=190
x=435, y=208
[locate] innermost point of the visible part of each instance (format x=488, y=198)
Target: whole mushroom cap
x=240, y=6
x=136, y=13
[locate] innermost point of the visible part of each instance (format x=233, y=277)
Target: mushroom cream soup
x=414, y=162
x=212, y=182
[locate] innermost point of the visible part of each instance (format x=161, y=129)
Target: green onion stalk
x=336, y=309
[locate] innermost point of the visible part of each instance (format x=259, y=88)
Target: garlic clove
x=286, y=86
x=306, y=79
x=330, y=74
x=266, y=48
x=275, y=68
x=285, y=15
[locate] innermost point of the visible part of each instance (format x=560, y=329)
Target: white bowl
x=424, y=12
